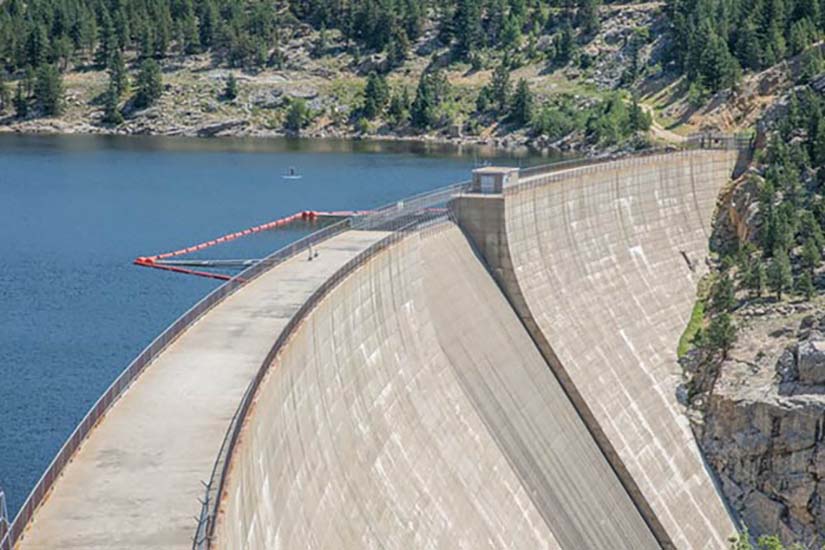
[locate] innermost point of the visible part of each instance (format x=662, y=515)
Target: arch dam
x=491, y=365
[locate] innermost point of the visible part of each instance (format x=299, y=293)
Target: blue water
x=75, y=211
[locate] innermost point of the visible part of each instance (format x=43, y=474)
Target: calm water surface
x=75, y=211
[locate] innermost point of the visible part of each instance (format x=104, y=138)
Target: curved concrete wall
x=602, y=263
x=412, y=410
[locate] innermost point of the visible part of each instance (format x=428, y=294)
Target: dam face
x=412, y=410
x=602, y=263
x=422, y=405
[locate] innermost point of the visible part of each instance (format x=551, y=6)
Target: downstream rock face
x=760, y=414
x=764, y=423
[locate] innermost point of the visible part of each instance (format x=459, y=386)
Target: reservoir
x=75, y=211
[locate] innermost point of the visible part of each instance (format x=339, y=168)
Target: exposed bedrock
x=412, y=410
x=764, y=423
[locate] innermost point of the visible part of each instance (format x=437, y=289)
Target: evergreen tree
x=723, y=298
x=111, y=109
x=118, y=75
x=230, y=90
x=398, y=46
x=5, y=94
x=48, y=90
x=431, y=92
x=511, y=33
x=209, y=20
x=149, y=84
x=805, y=285
x=108, y=42
x=467, y=27
x=587, y=16
x=298, y=115
x=521, y=108
x=721, y=334
x=398, y=110
x=322, y=43
x=811, y=255
x=376, y=95
x=567, y=45
x=21, y=102
x=718, y=68
x=779, y=273
x=37, y=46
x=640, y=121
x=756, y=278
x=500, y=86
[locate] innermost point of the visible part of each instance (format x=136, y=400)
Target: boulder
x=811, y=362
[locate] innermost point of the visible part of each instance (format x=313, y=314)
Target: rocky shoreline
x=241, y=128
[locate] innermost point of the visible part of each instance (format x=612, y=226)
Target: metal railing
x=138, y=365
x=4, y=515
x=541, y=175
x=713, y=141
x=400, y=227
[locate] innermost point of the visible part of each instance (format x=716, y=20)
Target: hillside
x=448, y=71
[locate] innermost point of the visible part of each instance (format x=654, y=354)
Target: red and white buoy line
x=158, y=261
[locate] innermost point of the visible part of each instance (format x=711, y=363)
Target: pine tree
x=398, y=46
x=230, y=91
x=467, y=24
x=432, y=89
x=376, y=95
x=111, y=109
x=149, y=84
x=640, y=121
x=107, y=44
x=37, y=46
x=587, y=16
x=779, y=273
x=209, y=20
x=811, y=255
x=500, y=86
x=398, y=110
x=805, y=285
x=723, y=298
x=511, y=33
x=5, y=94
x=521, y=109
x=118, y=75
x=567, y=45
x=48, y=90
x=322, y=43
x=721, y=334
x=21, y=102
x=756, y=278
x=718, y=68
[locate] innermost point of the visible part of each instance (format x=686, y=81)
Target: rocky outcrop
x=764, y=424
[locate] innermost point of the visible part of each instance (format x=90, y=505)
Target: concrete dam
x=499, y=374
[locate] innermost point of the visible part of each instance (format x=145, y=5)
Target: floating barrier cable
x=158, y=261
